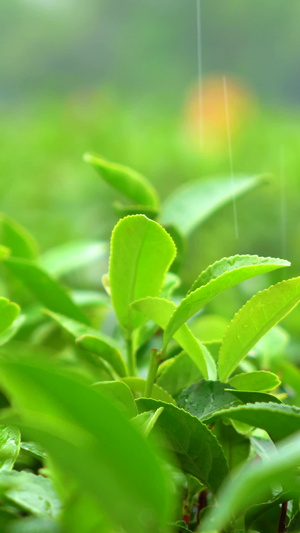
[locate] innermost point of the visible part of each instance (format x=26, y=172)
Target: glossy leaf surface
x=217, y=278
x=141, y=254
x=195, y=447
x=263, y=311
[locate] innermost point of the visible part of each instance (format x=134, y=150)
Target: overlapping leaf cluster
x=137, y=410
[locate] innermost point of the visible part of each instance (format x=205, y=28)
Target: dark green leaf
x=195, y=447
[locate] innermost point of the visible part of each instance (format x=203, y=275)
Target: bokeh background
x=121, y=78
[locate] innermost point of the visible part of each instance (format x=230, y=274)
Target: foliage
x=119, y=411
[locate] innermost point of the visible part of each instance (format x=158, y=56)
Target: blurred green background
x=120, y=78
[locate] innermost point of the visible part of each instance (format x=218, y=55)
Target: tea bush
x=135, y=410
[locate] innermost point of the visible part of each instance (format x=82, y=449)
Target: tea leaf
x=191, y=204
x=177, y=373
x=8, y=313
x=259, y=380
x=279, y=420
x=248, y=396
x=236, y=447
x=12, y=330
x=45, y=288
x=119, y=394
x=125, y=180
x=34, y=494
x=17, y=239
x=81, y=430
x=263, y=311
x=251, y=484
x=71, y=256
x=138, y=386
x=204, y=398
x=217, y=278
x=160, y=311
x=196, y=448
x=9, y=446
x=141, y=253
x=94, y=341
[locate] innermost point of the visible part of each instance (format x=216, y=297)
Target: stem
x=131, y=361
x=202, y=503
x=282, y=520
x=155, y=360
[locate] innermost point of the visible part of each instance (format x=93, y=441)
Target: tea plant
x=137, y=410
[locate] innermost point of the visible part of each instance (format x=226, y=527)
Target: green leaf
x=279, y=420
x=196, y=448
x=17, y=239
x=145, y=421
x=254, y=512
x=209, y=328
x=141, y=254
x=235, y=446
x=45, y=288
x=119, y=394
x=204, y=398
x=160, y=311
x=219, y=277
x=177, y=373
x=138, y=386
x=127, y=181
x=248, y=396
x=71, y=256
x=253, y=483
x=12, y=330
x=259, y=380
x=94, y=341
x=263, y=311
x=9, y=446
x=91, y=443
x=32, y=493
x=8, y=313
x=191, y=204
x=106, y=350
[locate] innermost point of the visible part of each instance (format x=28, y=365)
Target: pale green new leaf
x=194, y=202
x=138, y=387
x=17, y=239
x=160, y=310
x=141, y=254
x=219, y=277
x=71, y=256
x=263, y=311
x=119, y=394
x=91, y=443
x=127, y=181
x=12, y=330
x=259, y=380
x=9, y=311
x=45, y=288
x=94, y=341
x=251, y=484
